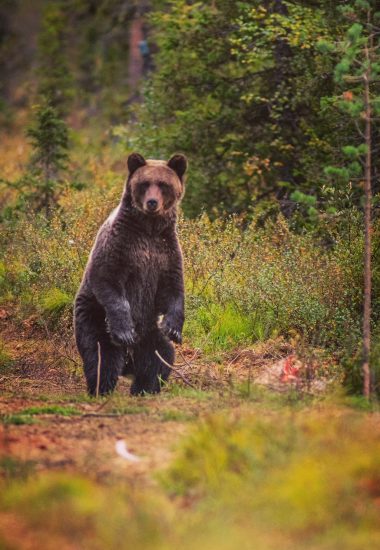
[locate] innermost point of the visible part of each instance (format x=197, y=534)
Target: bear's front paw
x=172, y=332
x=125, y=338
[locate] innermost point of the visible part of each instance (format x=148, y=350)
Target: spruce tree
x=49, y=138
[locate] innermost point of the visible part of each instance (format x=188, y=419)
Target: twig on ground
x=104, y=404
x=175, y=370
x=233, y=359
x=188, y=361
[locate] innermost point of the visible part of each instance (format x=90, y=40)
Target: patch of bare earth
x=44, y=374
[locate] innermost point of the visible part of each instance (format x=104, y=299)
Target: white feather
x=121, y=449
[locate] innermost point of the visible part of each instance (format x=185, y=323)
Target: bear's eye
x=143, y=186
x=163, y=185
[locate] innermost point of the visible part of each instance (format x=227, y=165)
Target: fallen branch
x=101, y=415
x=175, y=370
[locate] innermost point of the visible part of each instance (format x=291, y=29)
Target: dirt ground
x=84, y=442
x=65, y=430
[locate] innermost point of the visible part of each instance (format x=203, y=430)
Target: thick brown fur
x=134, y=276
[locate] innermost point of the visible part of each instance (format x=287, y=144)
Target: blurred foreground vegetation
x=265, y=476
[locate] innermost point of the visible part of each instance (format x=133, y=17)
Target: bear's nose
x=152, y=204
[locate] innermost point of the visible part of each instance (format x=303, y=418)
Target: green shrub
x=216, y=326
x=54, y=301
x=249, y=284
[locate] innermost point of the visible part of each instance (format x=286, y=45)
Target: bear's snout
x=153, y=200
x=152, y=205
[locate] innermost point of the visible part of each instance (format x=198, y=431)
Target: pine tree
x=49, y=137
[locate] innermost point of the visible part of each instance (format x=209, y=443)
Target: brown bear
x=134, y=276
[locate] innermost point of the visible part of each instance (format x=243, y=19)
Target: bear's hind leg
x=149, y=368
x=92, y=337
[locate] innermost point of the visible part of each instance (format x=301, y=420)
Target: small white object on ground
x=121, y=449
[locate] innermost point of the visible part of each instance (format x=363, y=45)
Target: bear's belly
x=141, y=289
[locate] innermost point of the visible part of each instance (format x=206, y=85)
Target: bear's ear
x=135, y=160
x=178, y=163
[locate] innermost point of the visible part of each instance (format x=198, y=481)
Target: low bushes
x=244, y=283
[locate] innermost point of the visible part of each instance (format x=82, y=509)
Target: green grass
x=51, y=409
x=176, y=416
x=222, y=325
x=130, y=409
x=27, y=416
x=178, y=390
x=17, y=419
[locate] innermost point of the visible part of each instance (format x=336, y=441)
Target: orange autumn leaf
x=348, y=96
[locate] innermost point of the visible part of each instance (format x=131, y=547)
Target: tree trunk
x=367, y=236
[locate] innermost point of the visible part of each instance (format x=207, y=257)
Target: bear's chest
x=148, y=258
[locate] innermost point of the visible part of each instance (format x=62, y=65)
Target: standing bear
x=134, y=276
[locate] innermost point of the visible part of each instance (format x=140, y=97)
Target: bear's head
x=156, y=186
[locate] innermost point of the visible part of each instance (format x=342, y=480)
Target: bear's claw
x=127, y=338
x=173, y=334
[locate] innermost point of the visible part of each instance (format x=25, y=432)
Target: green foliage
x=54, y=79
x=351, y=72
x=129, y=409
x=234, y=465
x=220, y=326
x=68, y=508
x=175, y=416
x=49, y=139
x=26, y=416
x=99, y=59
x=244, y=286
x=40, y=185
x=54, y=301
x=247, y=79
